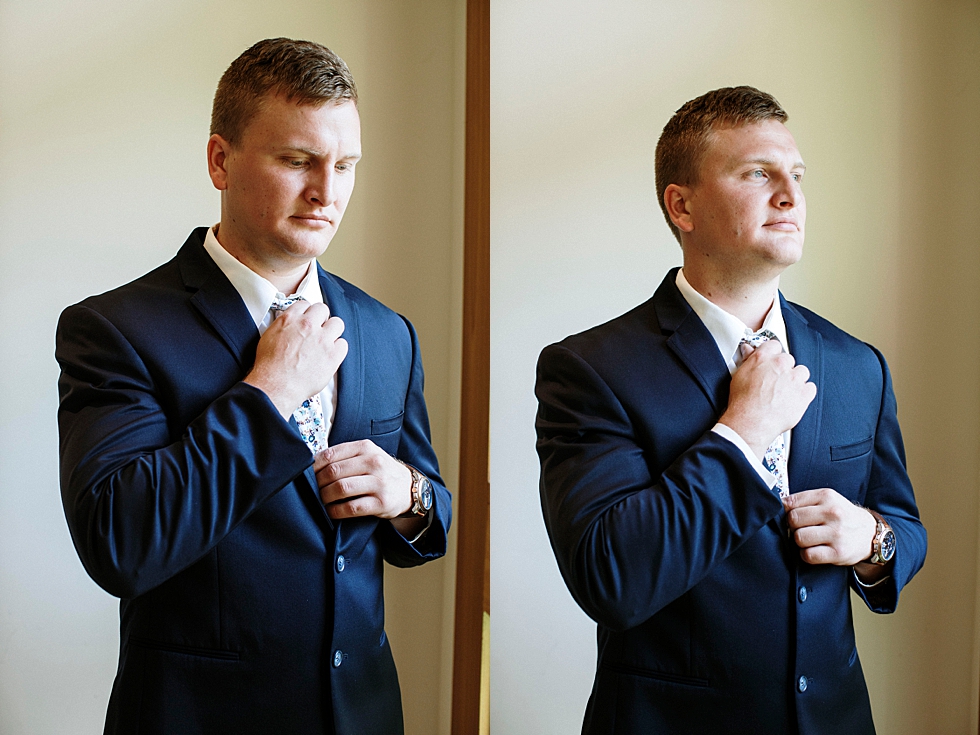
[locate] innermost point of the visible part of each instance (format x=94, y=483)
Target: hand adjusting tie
x=309, y=415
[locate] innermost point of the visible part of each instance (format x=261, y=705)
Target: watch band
x=418, y=509
x=883, y=544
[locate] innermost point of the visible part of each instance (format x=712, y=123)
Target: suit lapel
x=350, y=376
x=350, y=398
x=806, y=346
x=217, y=300
x=691, y=341
x=350, y=381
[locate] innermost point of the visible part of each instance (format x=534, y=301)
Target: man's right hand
x=769, y=395
x=298, y=355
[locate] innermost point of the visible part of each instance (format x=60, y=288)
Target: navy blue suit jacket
x=708, y=620
x=244, y=607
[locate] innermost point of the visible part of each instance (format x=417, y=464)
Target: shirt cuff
x=428, y=523
x=727, y=432
x=873, y=584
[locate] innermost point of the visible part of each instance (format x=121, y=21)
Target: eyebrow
x=313, y=153
x=770, y=162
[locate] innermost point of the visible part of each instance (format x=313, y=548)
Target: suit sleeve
x=890, y=493
x=141, y=505
x=629, y=542
x=415, y=448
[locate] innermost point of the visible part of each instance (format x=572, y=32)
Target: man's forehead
x=281, y=103
x=283, y=123
x=765, y=142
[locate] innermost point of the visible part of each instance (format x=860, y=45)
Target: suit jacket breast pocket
x=850, y=468
x=386, y=426
x=851, y=451
x=387, y=432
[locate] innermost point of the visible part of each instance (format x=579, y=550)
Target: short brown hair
x=302, y=71
x=684, y=139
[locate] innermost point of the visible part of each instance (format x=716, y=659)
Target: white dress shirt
x=258, y=295
x=728, y=331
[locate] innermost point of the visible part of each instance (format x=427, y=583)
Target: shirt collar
x=257, y=292
x=726, y=329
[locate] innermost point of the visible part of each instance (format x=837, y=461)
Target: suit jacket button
x=338, y=658
x=341, y=563
x=802, y=684
x=803, y=593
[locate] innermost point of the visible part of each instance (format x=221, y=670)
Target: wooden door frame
x=473, y=494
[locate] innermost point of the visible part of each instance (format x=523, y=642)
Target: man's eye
x=758, y=173
x=295, y=162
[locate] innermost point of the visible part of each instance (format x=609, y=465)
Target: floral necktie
x=309, y=416
x=775, y=459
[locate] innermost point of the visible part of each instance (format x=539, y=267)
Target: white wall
x=104, y=113
x=883, y=99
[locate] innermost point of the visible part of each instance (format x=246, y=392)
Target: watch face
x=887, y=546
x=425, y=494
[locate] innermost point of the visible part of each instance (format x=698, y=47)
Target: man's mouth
x=786, y=225
x=314, y=220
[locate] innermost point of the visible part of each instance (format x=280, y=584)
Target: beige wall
x=104, y=110
x=883, y=100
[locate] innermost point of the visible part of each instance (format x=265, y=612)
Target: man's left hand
x=361, y=479
x=829, y=528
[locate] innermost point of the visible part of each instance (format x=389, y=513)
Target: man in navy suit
x=720, y=466
x=244, y=438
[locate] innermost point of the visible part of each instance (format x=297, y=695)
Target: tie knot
x=757, y=338
x=281, y=303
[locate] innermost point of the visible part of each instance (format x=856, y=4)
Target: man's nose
x=789, y=193
x=322, y=187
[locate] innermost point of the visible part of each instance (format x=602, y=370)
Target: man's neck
x=286, y=277
x=750, y=301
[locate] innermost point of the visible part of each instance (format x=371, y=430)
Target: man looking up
x=244, y=438
x=719, y=466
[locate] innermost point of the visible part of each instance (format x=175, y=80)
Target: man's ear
x=219, y=150
x=677, y=200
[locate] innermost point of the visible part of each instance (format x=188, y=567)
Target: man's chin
x=786, y=251
x=307, y=246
